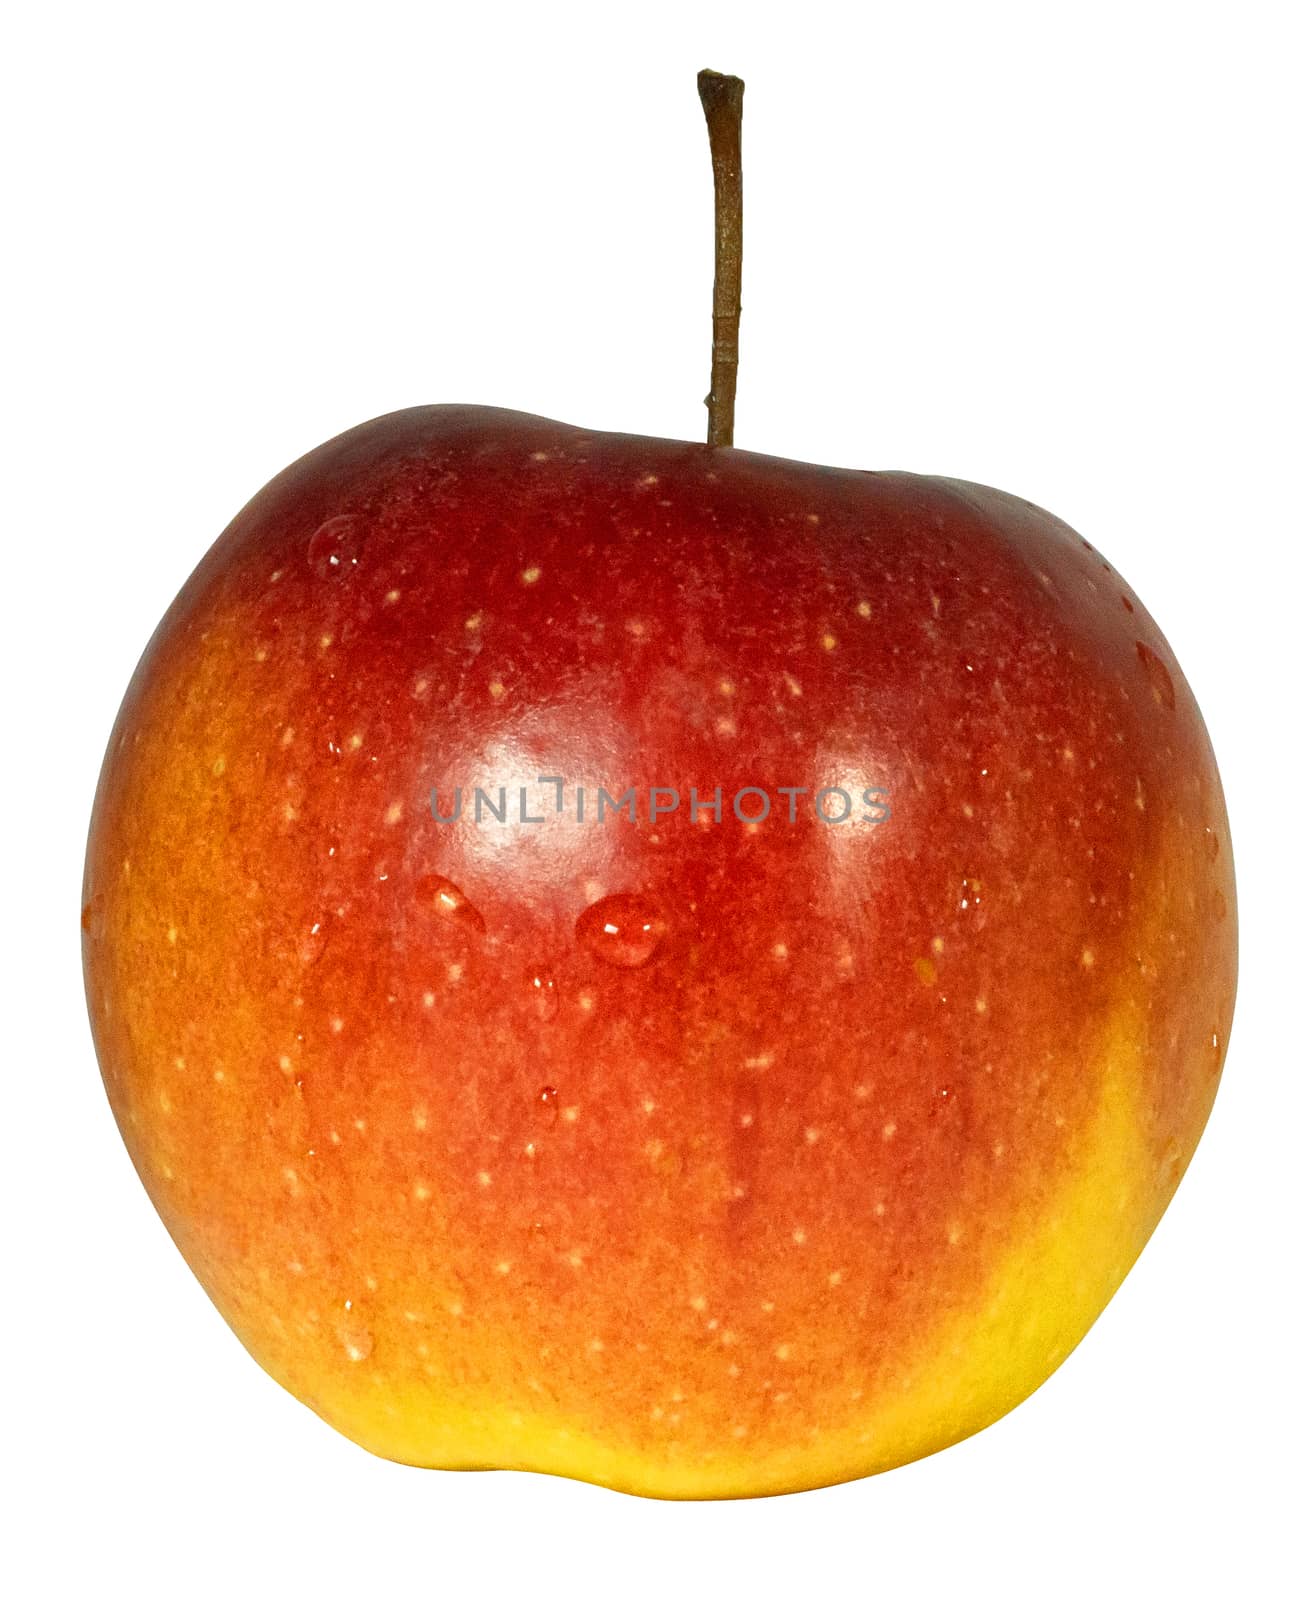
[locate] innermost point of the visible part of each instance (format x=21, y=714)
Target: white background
x=1053, y=247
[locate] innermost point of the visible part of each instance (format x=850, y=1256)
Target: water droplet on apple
x=1212, y=843
x=443, y=897
x=943, y=1099
x=542, y=988
x=335, y=546
x=1220, y=907
x=93, y=916
x=314, y=940
x=354, y=1337
x=546, y=1104
x=1160, y=679
x=625, y=930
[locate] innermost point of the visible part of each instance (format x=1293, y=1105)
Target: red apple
x=693, y=1155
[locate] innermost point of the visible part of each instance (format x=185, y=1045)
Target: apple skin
x=846, y=1163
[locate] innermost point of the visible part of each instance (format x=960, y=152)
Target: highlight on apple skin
x=817, y=1147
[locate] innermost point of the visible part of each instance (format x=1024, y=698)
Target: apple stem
x=722, y=102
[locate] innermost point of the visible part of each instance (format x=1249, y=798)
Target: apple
x=524, y=1091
